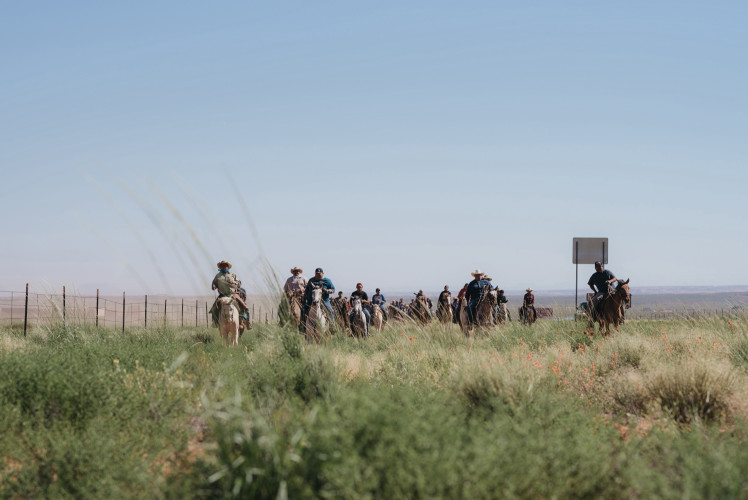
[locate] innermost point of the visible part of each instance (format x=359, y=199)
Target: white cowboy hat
x=528, y=290
x=296, y=269
x=477, y=272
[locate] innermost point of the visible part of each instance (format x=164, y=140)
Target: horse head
x=316, y=294
x=356, y=304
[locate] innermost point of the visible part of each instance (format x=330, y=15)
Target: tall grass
x=656, y=410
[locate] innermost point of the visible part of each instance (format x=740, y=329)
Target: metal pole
x=26, y=310
x=145, y=325
x=63, y=305
x=164, y=313
x=576, y=286
x=196, y=309
x=123, y=312
x=182, y=311
x=97, y=308
x=603, y=245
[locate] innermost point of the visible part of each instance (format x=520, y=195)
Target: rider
x=445, y=297
x=328, y=288
x=528, y=303
x=228, y=285
x=600, y=282
x=503, y=309
x=359, y=292
x=378, y=300
x=296, y=284
x=460, y=296
x=474, y=293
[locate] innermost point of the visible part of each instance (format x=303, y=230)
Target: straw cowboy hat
x=223, y=262
x=477, y=272
x=294, y=269
x=528, y=289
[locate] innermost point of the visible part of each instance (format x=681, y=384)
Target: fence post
x=25, y=310
x=123, y=312
x=64, y=317
x=182, y=312
x=253, y=313
x=196, y=309
x=145, y=325
x=11, y=310
x=164, y=313
x=206, y=315
x=97, y=308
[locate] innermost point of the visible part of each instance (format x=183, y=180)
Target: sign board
x=589, y=250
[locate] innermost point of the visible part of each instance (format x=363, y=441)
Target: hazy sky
x=402, y=144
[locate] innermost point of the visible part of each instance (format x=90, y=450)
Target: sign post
x=587, y=251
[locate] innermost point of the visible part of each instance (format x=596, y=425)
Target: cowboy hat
x=296, y=269
x=477, y=272
x=528, y=290
x=223, y=262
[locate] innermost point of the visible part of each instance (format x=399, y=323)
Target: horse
x=419, y=310
x=485, y=307
x=526, y=315
x=610, y=309
x=229, y=321
x=316, y=321
x=395, y=313
x=359, y=328
x=377, y=318
x=444, y=308
x=464, y=317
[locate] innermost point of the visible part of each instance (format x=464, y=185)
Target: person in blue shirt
x=474, y=293
x=378, y=300
x=328, y=289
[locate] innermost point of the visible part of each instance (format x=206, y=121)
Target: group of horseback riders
x=298, y=288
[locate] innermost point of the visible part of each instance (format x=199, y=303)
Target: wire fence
x=25, y=309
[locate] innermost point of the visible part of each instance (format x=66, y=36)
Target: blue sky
x=398, y=145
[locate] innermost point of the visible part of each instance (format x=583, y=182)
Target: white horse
x=316, y=322
x=358, y=322
x=229, y=321
x=377, y=317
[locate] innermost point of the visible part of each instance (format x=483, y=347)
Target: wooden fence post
x=196, y=309
x=145, y=313
x=206, y=315
x=164, y=313
x=64, y=317
x=97, y=308
x=182, y=311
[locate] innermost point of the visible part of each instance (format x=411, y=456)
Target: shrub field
x=657, y=410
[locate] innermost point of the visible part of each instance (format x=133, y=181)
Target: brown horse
x=611, y=309
x=294, y=303
x=419, y=310
x=484, y=308
x=444, y=308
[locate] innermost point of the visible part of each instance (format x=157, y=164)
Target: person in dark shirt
x=359, y=292
x=529, y=303
x=502, y=301
x=600, y=282
x=474, y=293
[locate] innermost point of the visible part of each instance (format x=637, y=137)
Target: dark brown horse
x=610, y=311
x=419, y=310
x=444, y=308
